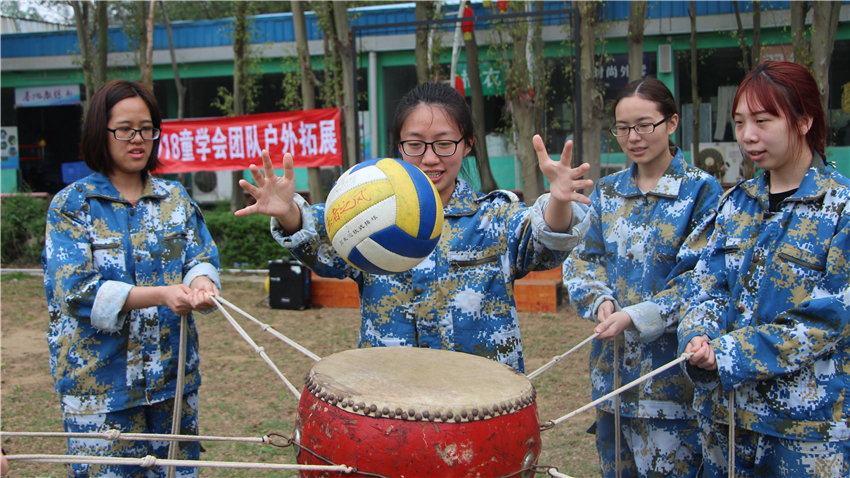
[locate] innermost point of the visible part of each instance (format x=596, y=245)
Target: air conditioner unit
x=212, y=186
x=725, y=162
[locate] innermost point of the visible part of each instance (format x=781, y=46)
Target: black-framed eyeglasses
x=642, y=128
x=443, y=147
x=126, y=134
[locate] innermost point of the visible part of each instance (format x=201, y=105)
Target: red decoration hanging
x=503, y=5
x=467, y=27
x=459, y=86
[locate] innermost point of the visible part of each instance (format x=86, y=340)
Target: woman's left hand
x=564, y=180
x=202, y=287
x=613, y=325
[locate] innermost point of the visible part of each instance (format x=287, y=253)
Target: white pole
x=373, y=103
x=456, y=44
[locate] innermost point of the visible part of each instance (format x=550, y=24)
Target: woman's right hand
x=703, y=353
x=274, y=194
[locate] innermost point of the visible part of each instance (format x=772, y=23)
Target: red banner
x=232, y=143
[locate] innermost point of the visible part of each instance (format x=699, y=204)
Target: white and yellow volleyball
x=384, y=216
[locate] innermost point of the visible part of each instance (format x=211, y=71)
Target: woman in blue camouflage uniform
x=629, y=277
x=125, y=255
x=770, y=320
x=461, y=297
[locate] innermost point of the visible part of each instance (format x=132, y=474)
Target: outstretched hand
x=564, y=180
x=274, y=194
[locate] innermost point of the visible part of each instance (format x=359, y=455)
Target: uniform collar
x=100, y=186
x=464, y=200
x=668, y=185
x=816, y=183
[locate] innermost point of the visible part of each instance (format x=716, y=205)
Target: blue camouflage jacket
x=772, y=293
x=97, y=247
x=461, y=297
x=633, y=256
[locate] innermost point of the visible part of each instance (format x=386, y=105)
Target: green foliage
x=243, y=240
x=291, y=86
x=22, y=230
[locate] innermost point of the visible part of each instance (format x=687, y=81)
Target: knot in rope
x=260, y=350
x=265, y=327
x=148, y=461
x=113, y=434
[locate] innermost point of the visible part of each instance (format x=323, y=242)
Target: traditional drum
x=412, y=412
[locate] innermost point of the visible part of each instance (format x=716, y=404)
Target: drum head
x=419, y=384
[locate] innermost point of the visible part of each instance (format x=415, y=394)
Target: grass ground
x=241, y=395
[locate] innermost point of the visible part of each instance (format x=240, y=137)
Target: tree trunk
x=84, y=36
x=477, y=91
x=422, y=12
x=802, y=48
x=308, y=92
x=694, y=89
x=824, y=28
x=742, y=39
x=756, y=33
x=240, y=47
x=349, y=108
x=591, y=97
x=102, y=43
x=147, y=71
x=637, y=20
x=181, y=90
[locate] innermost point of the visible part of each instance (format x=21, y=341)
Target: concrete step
x=539, y=291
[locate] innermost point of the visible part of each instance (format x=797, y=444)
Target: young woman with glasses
x=770, y=322
x=461, y=297
x=630, y=276
x=125, y=255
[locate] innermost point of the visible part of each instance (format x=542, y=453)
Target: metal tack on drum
x=480, y=421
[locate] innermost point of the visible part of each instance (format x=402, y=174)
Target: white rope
x=268, y=328
x=150, y=461
x=176, y=416
x=558, y=358
x=118, y=435
x=259, y=350
x=617, y=441
x=554, y=472
x=620, y=390
x=732, y=434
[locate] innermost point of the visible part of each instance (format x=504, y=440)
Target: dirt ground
x=242, y=397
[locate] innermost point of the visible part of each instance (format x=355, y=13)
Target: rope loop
x=547, y=426
x=287, y=441
x=113, y=434
x=148, y=461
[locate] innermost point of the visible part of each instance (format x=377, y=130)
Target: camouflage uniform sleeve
x=311, y=245
x=660, y=315
x=201, y=257
x=708, y=294
x=586, y=271
x=798, y=336
x=79, y=291
x=565, y=242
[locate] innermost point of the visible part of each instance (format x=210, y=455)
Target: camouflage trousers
x=154, y=418
x=765, y=456
x=650, y=447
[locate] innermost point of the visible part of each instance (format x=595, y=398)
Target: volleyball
x=384, y=216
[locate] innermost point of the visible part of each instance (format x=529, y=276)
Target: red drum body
x=410, y=412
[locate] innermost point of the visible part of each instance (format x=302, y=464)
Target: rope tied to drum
x=551, y=423
x=268, y=328
x=260, y=350
x=558, y=358
x=149, y=461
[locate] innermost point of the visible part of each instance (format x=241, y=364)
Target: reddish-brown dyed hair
x=787, y=88
x=94, y=145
